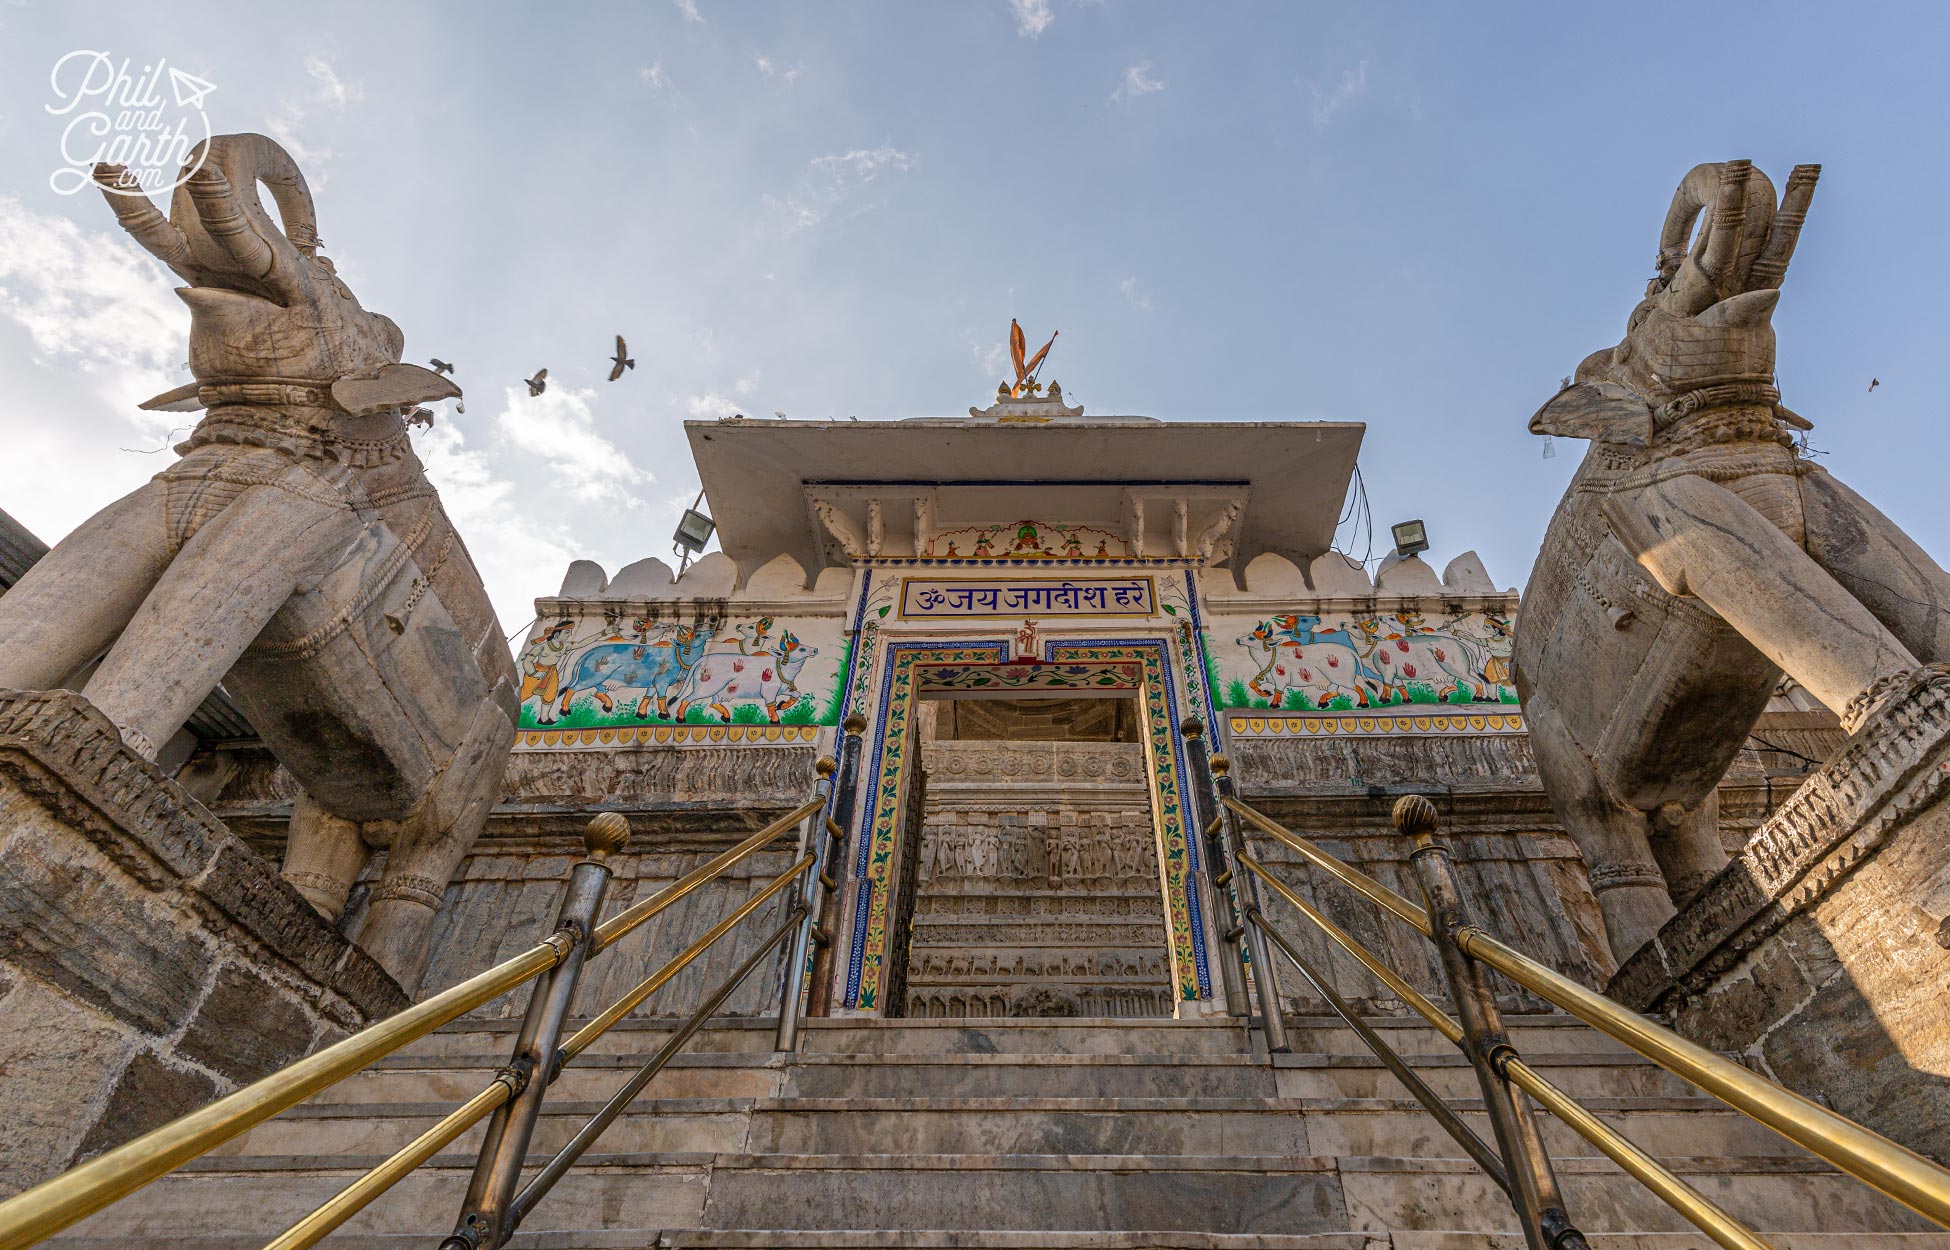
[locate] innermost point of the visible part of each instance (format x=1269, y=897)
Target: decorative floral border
x=908, y=669
x=1460, y=721
x=666, y=735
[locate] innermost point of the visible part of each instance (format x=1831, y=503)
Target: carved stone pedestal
x=1821, y=955
x=149, y=961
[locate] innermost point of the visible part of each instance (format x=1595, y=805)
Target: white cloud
x=1136, y=83
x=1032, y=17
x=864, y=164
x=94, y=300
x=835, y=181
x=1328, y=105
x=689, y=9
x=516, y=552
x=1136, y=298
x=711, y=405
x=559, y=426
x=335, y=90
x=295, y=124
x=654, y=75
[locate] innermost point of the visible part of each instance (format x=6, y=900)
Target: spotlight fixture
x=1410, y=537
x=694, y=530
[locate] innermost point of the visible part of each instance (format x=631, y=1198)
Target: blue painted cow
x=653, y=667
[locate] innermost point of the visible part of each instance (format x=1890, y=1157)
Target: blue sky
x=1415, y=217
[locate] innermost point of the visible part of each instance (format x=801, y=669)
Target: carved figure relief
x=1698, y=555
x=297, y=554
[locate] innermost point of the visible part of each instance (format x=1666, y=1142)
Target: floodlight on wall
x=694, y=530
x=1410, y=537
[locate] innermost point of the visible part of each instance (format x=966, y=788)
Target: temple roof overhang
x=804, y=487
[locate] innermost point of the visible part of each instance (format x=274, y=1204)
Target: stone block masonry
x=149, y=961
x=1821, y=955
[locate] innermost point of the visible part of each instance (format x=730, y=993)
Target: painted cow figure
x=653, y=667
x=1322, y=671
x=765, y=677
x=1442, y=661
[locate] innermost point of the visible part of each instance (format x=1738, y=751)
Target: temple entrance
x=1030, y=874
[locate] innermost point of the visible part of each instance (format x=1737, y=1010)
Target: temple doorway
x=1029, y=882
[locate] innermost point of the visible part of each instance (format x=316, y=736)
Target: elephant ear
x=390, y=386
x=185, y=398
x=1602, y=411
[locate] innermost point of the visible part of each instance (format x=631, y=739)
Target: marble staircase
x=1008, y=1133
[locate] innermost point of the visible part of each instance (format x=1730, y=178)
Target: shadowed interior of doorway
x=1036, y=888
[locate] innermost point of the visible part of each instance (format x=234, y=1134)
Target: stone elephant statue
x=296, y=553
x=1696, y=556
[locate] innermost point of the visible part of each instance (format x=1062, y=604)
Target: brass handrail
x=658, y=979
x=60, y=1201
x=1432, y=1102
x=609, y=931
x=1416, y=916
x=1666, y=1185
x=1871, y=1158
x=1861, y=1152
x=355, y=1197
x=1692, y=1205
x=598, y=1124
x=1367, y=958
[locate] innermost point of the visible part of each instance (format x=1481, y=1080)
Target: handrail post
x=1258, y=975
x=1204, y=810
x=814, y=840
x=483, y=1222
x=1534, y=1194
x=820, y=1001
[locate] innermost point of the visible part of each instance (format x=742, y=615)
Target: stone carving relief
x=296, y=553
x=1081, y=853
x=1038, y=884
x=1698, y=555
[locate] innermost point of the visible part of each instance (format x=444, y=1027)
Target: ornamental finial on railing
x=1415, y=815
x=606, y=835
x=825, y=767
x=1221, y=765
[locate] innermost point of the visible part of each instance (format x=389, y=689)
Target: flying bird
x=779, y=413
x=1874, y=382
x=622, y=359
x=538, y=383
x=440, y=366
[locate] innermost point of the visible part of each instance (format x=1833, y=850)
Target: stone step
x=761, y=1075
x=1216, y=1036
x=1076, y=1126
x=941, y=1239
x=1277, y=1195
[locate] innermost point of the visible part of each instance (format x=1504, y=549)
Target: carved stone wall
x=1821, y=953
x=1038, y=884
x=1522, y=876
x=149, y=961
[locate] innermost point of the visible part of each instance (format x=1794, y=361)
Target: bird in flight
x=440, y=366
x=622, y=359
x=538, y=383
x=1874, y=382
